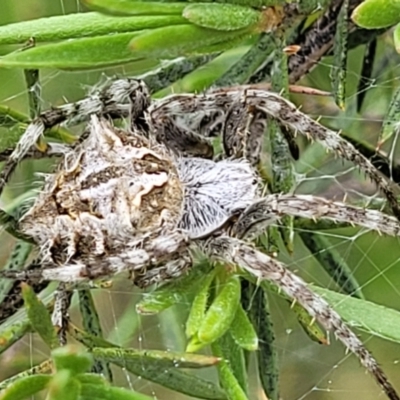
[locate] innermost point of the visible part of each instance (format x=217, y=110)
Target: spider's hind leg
x=265, y=268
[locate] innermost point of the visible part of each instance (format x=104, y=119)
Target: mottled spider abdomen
x=110, y=195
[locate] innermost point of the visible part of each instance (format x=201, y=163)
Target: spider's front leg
x=271, y=208
x=240, y=105
x=116, y=99
x=263, y=267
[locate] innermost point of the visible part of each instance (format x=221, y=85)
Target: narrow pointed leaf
x=309, y=325
x=222, y=17
x=235, y=357
x=199, y=306
x=243, y=331
x=366, y=72
x=43, y=368
x=171, y=378
x=221, y=312
x=79, y=25
x=90, y=392
x=162, y=358
x=129, y=7
x=255, y=302
x=96, y=52
x=375, y=14
x=283, y=176
x=175, y=292
x=227, y=378
x=92, y=379
x=39, y=316
x=174, y=379
x=370, y=317
x=25, y=387
x=339, y=70
x=11, y=333
x=173, y=41
x=91, y=324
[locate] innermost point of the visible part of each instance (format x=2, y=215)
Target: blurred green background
x=308, y=370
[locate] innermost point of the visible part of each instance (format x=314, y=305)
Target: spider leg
x=264, y=267
x=121, y=98
x=271, y=208
x=135, y=258
x=13, y=302
x=242, y=133
x=286, y=113
x=60, y=316
x=175, y=136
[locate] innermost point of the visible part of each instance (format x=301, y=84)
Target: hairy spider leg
x=286, y=113
x=271, y=208
x=263, y=267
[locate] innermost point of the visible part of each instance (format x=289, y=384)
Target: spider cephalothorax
x=141, y=200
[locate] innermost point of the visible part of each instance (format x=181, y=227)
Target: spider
x=142, y=200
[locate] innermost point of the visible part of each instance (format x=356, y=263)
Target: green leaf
x=174, y=292
x=72, y=358
x=63, y=387
x=310, y=327
x=43, y=368
x=235, y=357
x=25, y=387
x=339, y=70
x=222, y=17
x=227, y=378
x=396, y=37
x=91, y=392
x=97, y=52
x=173, y=379
x=165, y=358
x=255, y=302
x=243, y=332
x=219, y=315
x=155, y=371
x=79, y=25
x=199, y=306
x=173, y=41
x=91, y=324
x=9, y=334
x=91, y=379
x=129, y=7
x=370, y=317
x=39, y=316
x=375, y=14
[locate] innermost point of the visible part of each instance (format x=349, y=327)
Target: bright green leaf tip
x=222, y=17
x=375, y=14
x=72, y=358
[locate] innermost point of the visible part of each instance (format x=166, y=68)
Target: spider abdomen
x=111, y=194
